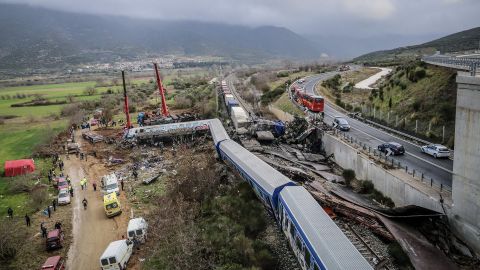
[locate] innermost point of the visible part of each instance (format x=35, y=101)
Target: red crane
x=162, y=91
x=127, y=113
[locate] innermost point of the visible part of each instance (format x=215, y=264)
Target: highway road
x=440, y=170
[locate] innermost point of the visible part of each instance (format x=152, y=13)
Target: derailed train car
x=315, y=239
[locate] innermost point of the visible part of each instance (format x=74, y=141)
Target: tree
x=90, y=91
x=70, y=98
x=348, y=175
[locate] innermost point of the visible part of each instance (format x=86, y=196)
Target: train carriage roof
x=218, y=131
x=325, y=238
x=267, y=177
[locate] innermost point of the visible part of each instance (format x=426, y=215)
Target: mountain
x=462, y=41
x=348, y=47
x=40, y=38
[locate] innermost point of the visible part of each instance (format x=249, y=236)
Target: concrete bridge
x=471, y=64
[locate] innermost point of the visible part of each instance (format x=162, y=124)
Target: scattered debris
x=92, y=137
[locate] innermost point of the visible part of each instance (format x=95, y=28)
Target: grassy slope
x=429, y=100
x=286, y=105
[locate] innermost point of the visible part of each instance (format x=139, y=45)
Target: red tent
x=19, y=167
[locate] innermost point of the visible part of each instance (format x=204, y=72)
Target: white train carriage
x=316, y=240
x=265, y=180
x=218, y=131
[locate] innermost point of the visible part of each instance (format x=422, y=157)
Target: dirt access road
x=92, y=230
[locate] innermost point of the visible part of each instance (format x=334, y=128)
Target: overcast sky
x=311, y=17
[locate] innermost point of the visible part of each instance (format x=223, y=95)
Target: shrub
x=282, y=74
x=38, y=197
x=366, y=187
x=90, y=91
x=420, y=73
x=8, y=242
x=348, y=175
x=271, y=96
x=396, y=251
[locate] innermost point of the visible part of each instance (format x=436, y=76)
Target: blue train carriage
x=265, y=180
x=316, y=240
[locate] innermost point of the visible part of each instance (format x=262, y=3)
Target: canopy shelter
x=19, y=167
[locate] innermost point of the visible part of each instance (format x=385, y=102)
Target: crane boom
x=127, y=113
x=162, y=91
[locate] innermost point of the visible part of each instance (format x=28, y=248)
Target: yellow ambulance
x=111, y=203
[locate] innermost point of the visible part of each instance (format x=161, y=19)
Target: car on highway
x=63, y=196
x=436, y=150
x=396, y=148
x=341, y=123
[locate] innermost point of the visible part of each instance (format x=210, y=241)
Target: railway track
x=245, y=105
x=363, y=247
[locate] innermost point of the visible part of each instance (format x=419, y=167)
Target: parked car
x=341, y=123
x=56, y=180
x=93, y=122
x=396, y=148
x=436, y=150
x=54, y=239
x=137, y=229
x=54, y=263
x=62, y=184
x=116, y=256
x=63, y=196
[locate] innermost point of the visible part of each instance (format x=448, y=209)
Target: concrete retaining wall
x=392, y=183
x=466, y=169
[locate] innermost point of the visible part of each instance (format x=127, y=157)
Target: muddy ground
x=92, y=229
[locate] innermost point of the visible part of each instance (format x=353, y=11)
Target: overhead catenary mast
x=162, y=91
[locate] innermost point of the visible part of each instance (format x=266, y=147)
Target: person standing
x=49, y=212
x=135, y=174
x=121, y=183
x=94, y=186
x=27, y=220
x=71, y=191
x=10, y=212
x=54, y=204
x=44, y=230
x=58, y=225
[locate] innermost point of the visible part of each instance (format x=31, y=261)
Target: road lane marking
x=388, y=134
x=424, y=160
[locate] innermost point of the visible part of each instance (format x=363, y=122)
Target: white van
x=110, y=184
x=137, y=228
x=116, y=256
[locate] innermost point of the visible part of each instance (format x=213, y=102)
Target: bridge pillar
x=466, y=166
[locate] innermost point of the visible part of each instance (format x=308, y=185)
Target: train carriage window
x=299, y=243
x=292, y=229
x=307, y=257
